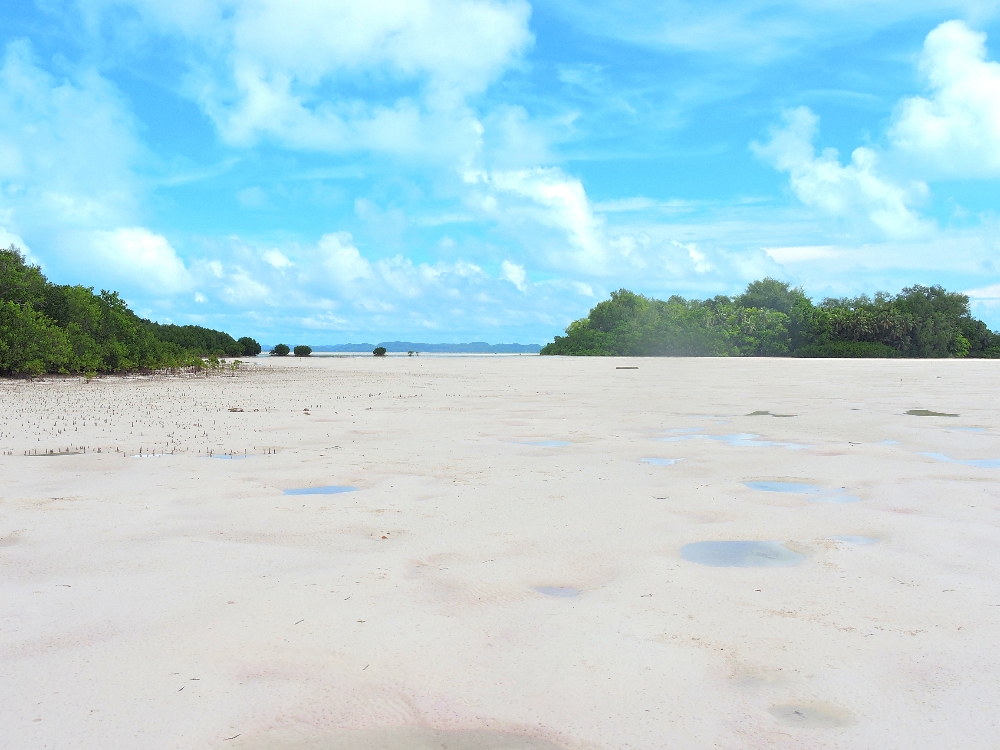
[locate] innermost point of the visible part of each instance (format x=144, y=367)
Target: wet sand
x=507, y=574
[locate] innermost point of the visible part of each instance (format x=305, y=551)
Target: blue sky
x=347, y=170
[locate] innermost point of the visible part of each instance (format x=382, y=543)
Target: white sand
x=177, y=601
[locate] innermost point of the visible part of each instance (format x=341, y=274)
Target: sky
x=333, y=171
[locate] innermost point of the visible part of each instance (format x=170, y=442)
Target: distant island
x=473, y=347
x=771, y=319
x=62, y=329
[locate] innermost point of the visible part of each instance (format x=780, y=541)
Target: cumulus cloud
x=548, y=197
x=276, y=259
x=955, y=131
x=67, y=149
x=951, y=133
x=855, y=189
x=142, y=259
x=515, y=274
x=342, y=260
x=279, y=68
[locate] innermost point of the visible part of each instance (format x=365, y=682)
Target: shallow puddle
x=979, y=463
x=769, y=414
x=660, y=461
x=854, y=539
x=739, y=440
x=332, y=489
x=563, y=592
x=741, y=554
x=812, y=715
x=928, y=413
x=796, y=487
x=817, y=494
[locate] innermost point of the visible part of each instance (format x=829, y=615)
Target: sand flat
x=508, y=573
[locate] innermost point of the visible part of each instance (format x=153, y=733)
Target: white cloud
x=550, y=198
x=276, y=68
x=848, y=191
x=9, y=238
x=243, y=290
x=514, y=273
x=698, y=258
x=801, y=253
x=990, y=293
x=754, y=31
x=276, y=259
x=343, y=260
x=140, y=258
x=955, y=132
x=67, y=150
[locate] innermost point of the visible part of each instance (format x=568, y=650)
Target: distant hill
x=473, y=347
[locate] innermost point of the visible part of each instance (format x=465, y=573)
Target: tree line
x=54, y=328
x=772, y=319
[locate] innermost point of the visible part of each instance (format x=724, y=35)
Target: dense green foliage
x=52, y=328
x=772, y=319
x=250, y=347
x=379, y=351
x=302, y=350
x=204, y=340
x=280, y=350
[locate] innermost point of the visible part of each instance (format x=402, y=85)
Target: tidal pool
x=854, y=539
x=979, y=463
x=564, y=592
x=331, y=489
x=818, y=494
x=812, y=715
x=740, y=440
x=660, y=461
x=796, y=487
x=741, y=554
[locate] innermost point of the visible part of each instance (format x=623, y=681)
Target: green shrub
x=250, y=348
x=281, y=350
x=302, y=350
x=379, y=351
